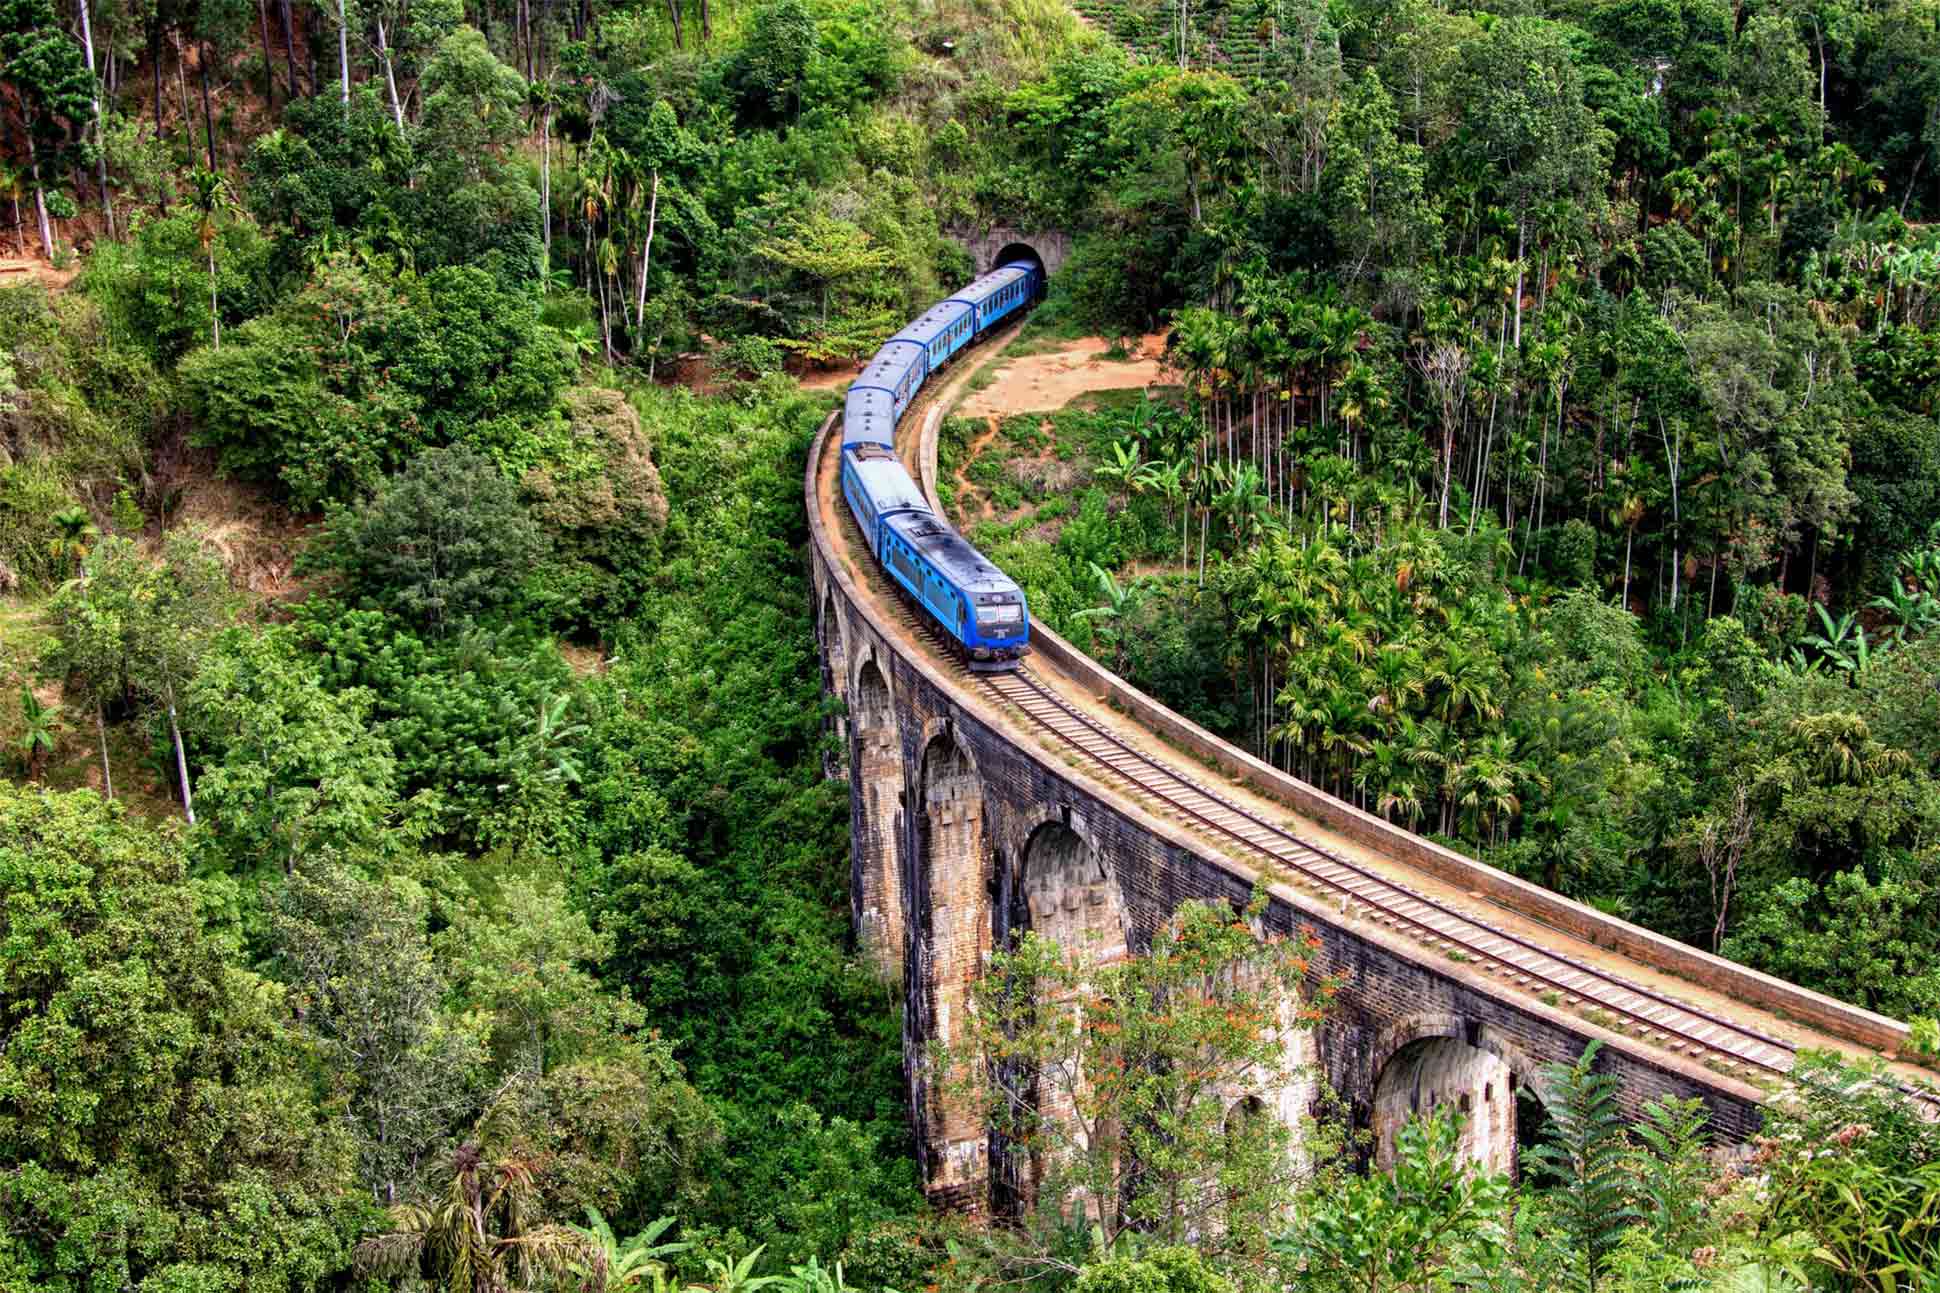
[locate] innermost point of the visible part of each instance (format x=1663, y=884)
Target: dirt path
x=1034, y=383
x=967, y=491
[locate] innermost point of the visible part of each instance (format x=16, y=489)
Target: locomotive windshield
x=1001, y=615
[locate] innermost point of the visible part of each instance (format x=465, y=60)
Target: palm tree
x=1630, y=516
x=483, y=1237
x=75, y=537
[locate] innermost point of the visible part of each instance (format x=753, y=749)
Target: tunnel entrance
x=1022, y=251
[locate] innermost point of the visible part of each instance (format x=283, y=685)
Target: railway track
x=1563, y=981
x=1365, y=894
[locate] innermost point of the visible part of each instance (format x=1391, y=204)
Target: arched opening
x=1532, y=1120
x=1431, y=1072
x=828, y=634
x=952, y=877
x=1068, y=895
x=835, y=663
x=877, y=904
x=1021, y=251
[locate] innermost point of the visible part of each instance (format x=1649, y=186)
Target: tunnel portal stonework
x=990, y=245
x=963, y=836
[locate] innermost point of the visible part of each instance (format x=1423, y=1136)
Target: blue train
x=979, y=606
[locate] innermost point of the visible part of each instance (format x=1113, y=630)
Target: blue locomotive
x=981, y=608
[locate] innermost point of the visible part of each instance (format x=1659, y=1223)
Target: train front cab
x=1000, y=629
x=992, y=627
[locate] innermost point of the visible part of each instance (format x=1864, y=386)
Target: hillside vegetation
x=417, y=867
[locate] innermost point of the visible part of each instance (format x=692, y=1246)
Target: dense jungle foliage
x=417, y=867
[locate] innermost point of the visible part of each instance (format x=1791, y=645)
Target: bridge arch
x=1425, y=1061
x=953, y=873
x=1069, y=894
x=880, y=905
x=830, y=636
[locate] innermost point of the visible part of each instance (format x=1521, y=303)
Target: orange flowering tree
x=1139, y=1095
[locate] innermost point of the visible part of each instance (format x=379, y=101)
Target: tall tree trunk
x=155, y=62
x=1629, y=540
x=19, y=226
x=390, y=76
x=1521, y=223
x=269, y=54
x=181, y=759
x=673, y=12
x=343, y=54
x=646, y=252
x=707, y=23
x=101, y=731
x=545, y=181
x=40, y=209
x=289, y=46
x=208, y=117
x=100, y=143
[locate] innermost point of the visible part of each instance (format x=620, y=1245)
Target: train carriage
x=1000, y=293
x=897, y=371
x=973, y=601
x=945, y=329
x=876, y=486
x=868, y=417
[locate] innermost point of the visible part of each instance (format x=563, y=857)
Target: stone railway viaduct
x=966, y=831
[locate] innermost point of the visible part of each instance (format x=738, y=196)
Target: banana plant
x=37, y=739
x=735, y=1276
x=1841, y=642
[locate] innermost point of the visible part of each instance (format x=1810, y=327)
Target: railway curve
x=1459, y=981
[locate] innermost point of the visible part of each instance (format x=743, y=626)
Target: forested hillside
x=417, y=865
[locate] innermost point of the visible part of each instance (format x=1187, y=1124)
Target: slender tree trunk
x=208, y=117
x=269, y=54
x=1629, y=539
x=545, y=182
x=101, y=731
x=289, y=46
x=40, y=210
x=19, y=226
x=707, y=23
x=646, y=252
x=390, y=76
x=155, y=62
x=100, y=142
x=343, y=54
x=673, y=12
x=1521, y=223
x=181, y=760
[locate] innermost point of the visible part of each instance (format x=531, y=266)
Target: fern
x=1587, y=1155
x=1673, y=1169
